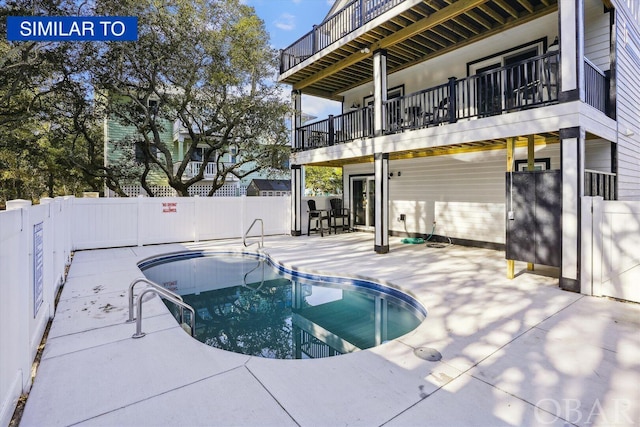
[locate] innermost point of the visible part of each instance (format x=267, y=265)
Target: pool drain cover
x=436, y=245
x=429, y=354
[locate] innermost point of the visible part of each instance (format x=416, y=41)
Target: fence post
x=331, y=130
x=21, y=310
x=243, y=209
x=139, y=202
x=587, y=238
x=452, y=100
x=196, y=228
x=597, y=245
x=313, y=40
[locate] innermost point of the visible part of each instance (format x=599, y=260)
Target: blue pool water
x=246, y=304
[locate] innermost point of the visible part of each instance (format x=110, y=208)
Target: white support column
x=296, y=120
x=572, y=152
x=381, y=166
x=296, y=200
x=379, y=90
x=571, y=15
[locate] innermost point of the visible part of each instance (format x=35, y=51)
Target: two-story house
x=488, y=119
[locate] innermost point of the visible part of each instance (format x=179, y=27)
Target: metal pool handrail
x=161, y=290
x=261, y=242
x=140, y=334
x=260, y=262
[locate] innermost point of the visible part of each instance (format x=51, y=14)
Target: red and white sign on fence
x=170, y=207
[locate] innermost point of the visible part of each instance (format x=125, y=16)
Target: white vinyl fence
x=611, y=248
x=36, y=243
x=35, y=248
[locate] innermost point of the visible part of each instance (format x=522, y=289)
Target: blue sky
x=287, y=21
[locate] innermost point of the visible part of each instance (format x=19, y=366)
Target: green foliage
x=208, y=66
x=207, y=63
x=36, y=147
x=323, y=180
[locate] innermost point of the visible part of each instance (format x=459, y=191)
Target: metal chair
x=317, y=215
x=338, y=212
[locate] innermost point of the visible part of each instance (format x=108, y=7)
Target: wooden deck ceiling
x=468, y=147
x=429, y=29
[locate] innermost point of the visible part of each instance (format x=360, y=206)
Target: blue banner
x=72, y=28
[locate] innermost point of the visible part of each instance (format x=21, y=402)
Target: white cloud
x=286, y=22
x=296, y=1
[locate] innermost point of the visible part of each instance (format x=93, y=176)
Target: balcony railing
x=600, y=184
x=351, y=17
x=336, y=129
x=596, y=85
x=193, y=168
x=527, y=84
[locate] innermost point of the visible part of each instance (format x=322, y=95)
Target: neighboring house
x=176, y=137
x=448, y=105
x=269, y=187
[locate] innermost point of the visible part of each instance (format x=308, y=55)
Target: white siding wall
x=596, y=34
x=628, y=108
x=454, y=64
x=598, y=155
x=463, y=193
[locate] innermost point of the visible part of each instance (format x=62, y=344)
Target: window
x=153, y=106
x=538, y=165
x=198, y=154
x=394, y=92
x=139, y=151
x=505, y=73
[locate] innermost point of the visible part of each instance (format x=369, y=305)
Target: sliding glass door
x=363, y=201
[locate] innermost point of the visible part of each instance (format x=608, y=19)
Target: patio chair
x=340, y=213
x=317, y=215
x=440, y=113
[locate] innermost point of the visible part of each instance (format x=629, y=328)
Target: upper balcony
x=336, y=55
x=209, y=171
x=528, y=84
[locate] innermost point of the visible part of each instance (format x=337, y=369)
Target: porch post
x=381, y=166
x=572, y=154
x=531, y=161
x=571, y=16
x=511, y=142
x=296, y=120
x=379, y=90
x=296, y=200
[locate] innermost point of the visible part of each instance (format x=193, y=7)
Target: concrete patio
x=516, y=352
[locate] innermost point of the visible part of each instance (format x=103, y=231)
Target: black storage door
x=535, y=233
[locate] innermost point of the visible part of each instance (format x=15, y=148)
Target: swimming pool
x=246, y=303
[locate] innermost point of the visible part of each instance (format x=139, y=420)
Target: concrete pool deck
x=516, y=352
